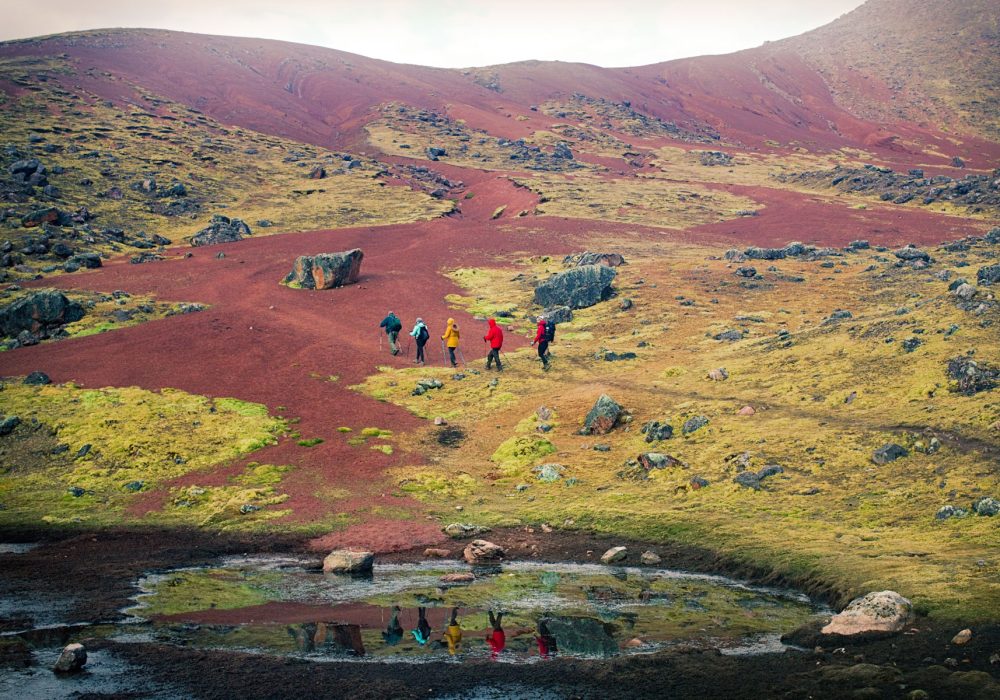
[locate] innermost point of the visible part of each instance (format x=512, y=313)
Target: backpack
x=550, y=331
x=423, y=335
x=395, y=325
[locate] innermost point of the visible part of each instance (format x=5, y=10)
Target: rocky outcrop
x=348, y=561
x=38, y=313
x=326, y=270
x=603, y=417
x=483, y=552
x=221, y=229
x=884, y=611
x=577, y=288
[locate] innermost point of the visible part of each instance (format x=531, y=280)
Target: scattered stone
x=247, y=508
x=603, y=417
x=658, y=460
x=588, y=258
x=911, y=344
x=945, y=512
x=480, y=551
x=614, y=555
x=650, y=558
x=439, y=420
x=694, y=423
x=221, y=229
x=838, y=315
x=746, y=271
x=962, y=637
x=889, y=453
x=317, y=173
x=730, y=335
x=883, y=611
x=718, y=375
x=549, y=473
x=459, y=577
x=348, y=561
x=986, y=505
x=911, y=253
x=460, y=530
x=988, y=275
x=697, y=483
x=970, y=376
x=37, y=379
x=8, y=423
x=326, y=270
x=610, y=356
x=577, y=288
x=746, y=411
x=436, y=553
x=134, y=486
x=655, y=430
x=72, y=659
x=964, y=291
x=602, y=448
x=752, y=480
x=625, y=305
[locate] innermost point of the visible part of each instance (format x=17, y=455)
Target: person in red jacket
x=497, y=639
x=546, y=331
x=495, y=338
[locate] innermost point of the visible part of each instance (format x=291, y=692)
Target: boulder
x=746, y=271
x=971, y=377
x=658, y=460
x=988, y=275
x=614, y=555
x=746, y=411
x=72, y=659
x=889, y=453
x=39, y=312
x=985, y=505
x=326, y=270
x=945, y=512
x=558, y=314
x=694, y=423
x=603, y=417
x=221, y=229
x=49, y=215
x=483, y=551
x=562, y=151
x=910, y=253
x=962, y=637
x=437, y=553
x=655, y=430
x=317, y=173
x=348, y=561
x=37, y=379
x=719, y=374
x=650, y=558
x=577, y=288
x=549, y=473
x=884, y=611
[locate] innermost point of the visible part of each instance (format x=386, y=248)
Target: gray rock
x=694, y=423
x=549, y=473
x=988, y=275
x=614, y=555
x=971, y=377
x=884, y=611
x=326, y=270
x=8, y=423
x=748, y=480
x=72, y=659
x=348, y=561
x=603, y=417
x=39, y=312
x=964, y=291
x=589, y=258
x=586, y=636
x=558, y=314
x=650, y=558
x=577, y=288
x=889, y=453
x=746, y=271
x=985, y=505
x=838, y=315
x=221, y=229
x=658, y=460
x=483, y=551
x=37, y=378
x=945, y=512
x=731, y=335
x=655, y=430
x=460, y=530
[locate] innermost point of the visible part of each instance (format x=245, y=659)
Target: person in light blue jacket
x=421, y=335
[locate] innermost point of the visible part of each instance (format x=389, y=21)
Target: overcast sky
x=455, y=33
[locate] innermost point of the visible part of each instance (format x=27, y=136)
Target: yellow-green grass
x=834, y=520
x=138, y=441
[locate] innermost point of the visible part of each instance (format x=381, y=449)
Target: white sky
x=455, y=33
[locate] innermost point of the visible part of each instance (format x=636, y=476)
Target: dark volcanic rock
x=558, y=314
x=655, y=430
x=326, y=270
x=889, y=453
x=988, y=275
x=39, y=312
x=694, y=423
x=603, y=417
x=582, y=635
x=37, y=378
x=970, y=376
x=577, y=288
x=222, y=229
x=658, y=460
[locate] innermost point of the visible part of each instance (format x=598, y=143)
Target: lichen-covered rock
x=971, y=377
x=986, y=505
x=945, y=512
x=459, y=530
x=889, y=453
x=694, y=423
x=558, y=314
x=988, y=275
x=549, y=473
x=658, y=460
x=577, y=288
x=326, y=270
x=72, y=659
x=483, y=551
x=614, y=555
x=884, y=611
x=39, y=312
x=221, y=229
x=348, y=561
x=603, y=417
x=656, y=430
x=589, y=258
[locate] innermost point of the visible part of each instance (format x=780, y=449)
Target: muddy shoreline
x=94, y=572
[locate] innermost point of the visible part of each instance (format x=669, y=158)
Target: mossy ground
x=826, y=396
x=82, y=455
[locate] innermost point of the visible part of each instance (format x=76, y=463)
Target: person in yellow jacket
x=450, y=338
x=453, y=635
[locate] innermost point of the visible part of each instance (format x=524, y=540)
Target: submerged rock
x=582, y=635
x=348, y=561
x=883, y=611
x=483, y=551
x=326, y=270
x=577, y=288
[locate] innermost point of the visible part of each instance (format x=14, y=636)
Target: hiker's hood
x=493, y=323
x=451, y=322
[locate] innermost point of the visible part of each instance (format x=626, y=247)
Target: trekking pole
x=444, y=355
x=380, y=342
x=462, y=355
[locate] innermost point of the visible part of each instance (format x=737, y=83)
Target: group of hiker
x=393, y=326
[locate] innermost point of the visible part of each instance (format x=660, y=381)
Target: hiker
x=393, y=631
x=495, y=338
x=392, y=326
x=545, y=335
x=450, y=339
x=453, y=635
x=421, y=335
x=423, y=631
x=496, y=639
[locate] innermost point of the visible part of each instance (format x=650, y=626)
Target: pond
x=519, y=612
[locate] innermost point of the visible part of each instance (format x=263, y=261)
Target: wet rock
x=558, y=314
x=718, y=374
x=889, y=453
x=962, y=637
x=221, y=229
x=483, y=551
x=971, y=377
x=326, y=270
x=655, y=430
x=603, y=417
x=614, y=555
x=577, y=288
x=650, y=558
x=72, y=659
x=694, y=423
x=8, y=423
x=589, y=258
x=883, y=611
x=37, y=379
x=988, y=275
x=460, y=530
x=39, y=312
x=347, y=561
x=986, y=505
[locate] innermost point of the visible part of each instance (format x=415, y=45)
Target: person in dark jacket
x=421, y=335
x=495, y=338
x=392, y=326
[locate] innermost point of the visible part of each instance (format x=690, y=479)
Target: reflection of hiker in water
x=392, y=326
x=453, y=635
x=496, y=639
x=393, y=631
x=423, y=631
x=546, y=641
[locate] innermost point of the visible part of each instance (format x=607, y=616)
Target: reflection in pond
x=420, y=612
